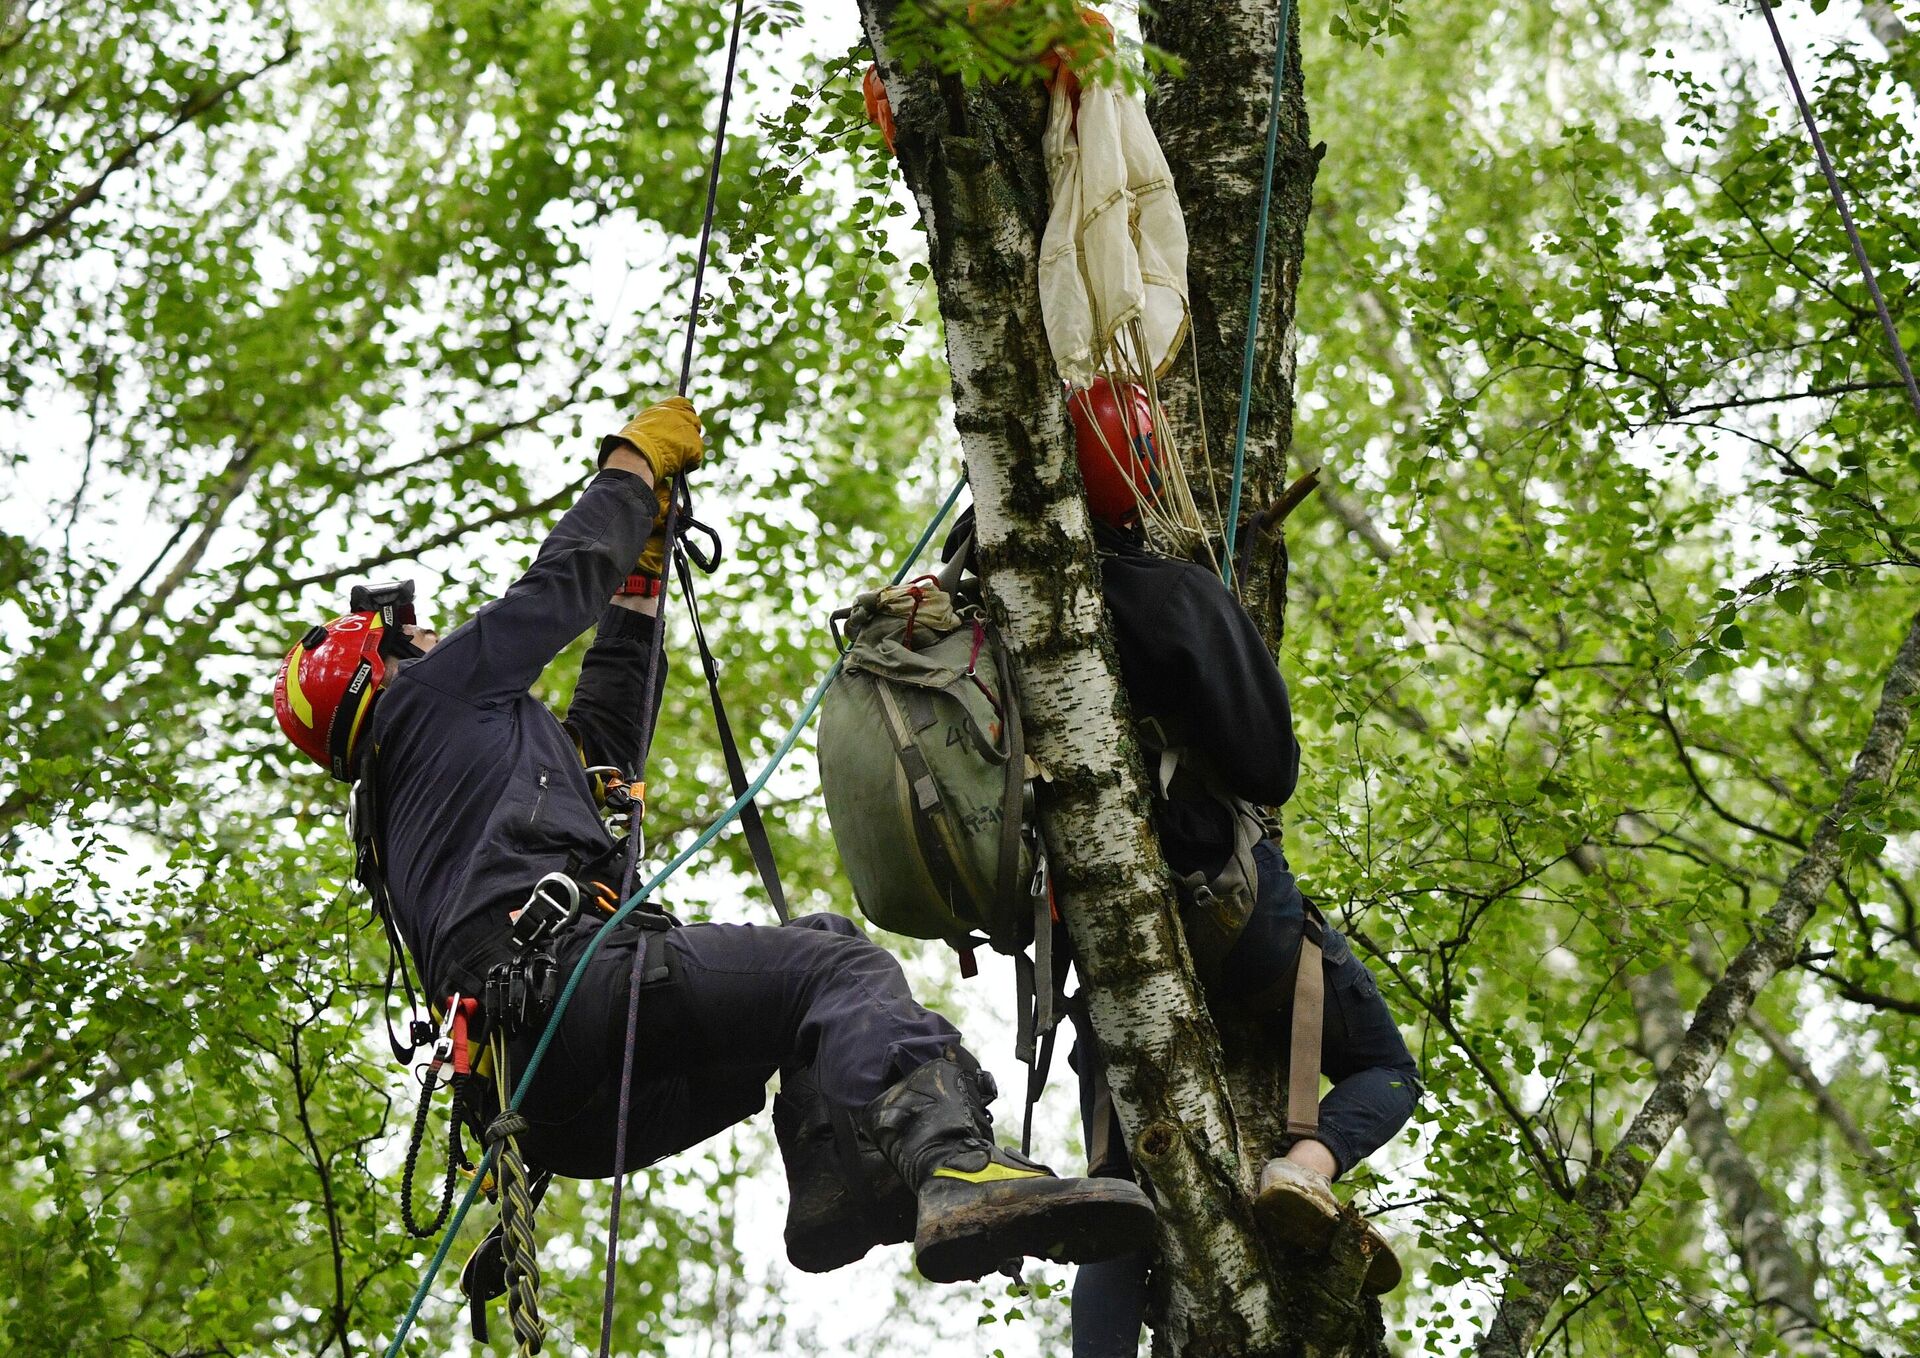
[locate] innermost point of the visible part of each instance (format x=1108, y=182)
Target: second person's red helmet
x=1119, y=452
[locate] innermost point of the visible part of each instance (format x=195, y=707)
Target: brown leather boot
x=1299, y=1210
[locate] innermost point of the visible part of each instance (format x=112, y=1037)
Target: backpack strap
x=931, y=816
x=1013, y=805
x=1309, y=1014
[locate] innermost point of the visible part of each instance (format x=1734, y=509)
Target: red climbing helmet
x=1113, y=436
x=326, y=684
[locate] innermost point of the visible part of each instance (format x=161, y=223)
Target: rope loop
x=510, y=1123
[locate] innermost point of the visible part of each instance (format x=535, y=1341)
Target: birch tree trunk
x=973, y=161
x=1777, y=1275
x=1212, y=124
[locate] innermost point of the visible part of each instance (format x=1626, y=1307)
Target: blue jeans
x=1375, y=1081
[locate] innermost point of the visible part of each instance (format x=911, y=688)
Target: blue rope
x=1253, y=305
x=679, y=860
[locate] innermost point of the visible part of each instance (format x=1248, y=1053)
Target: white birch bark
x=1777, y=1275
x=973, y=161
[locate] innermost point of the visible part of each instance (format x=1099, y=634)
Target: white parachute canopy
x=1113, y=262
x=1113, y=278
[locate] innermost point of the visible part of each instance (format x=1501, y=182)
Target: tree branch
x=187, y=111
x=1535, y=1285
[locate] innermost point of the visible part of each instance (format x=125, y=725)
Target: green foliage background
x=1620, y=540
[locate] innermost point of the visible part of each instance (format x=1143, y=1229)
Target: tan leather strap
x=1309, y=1013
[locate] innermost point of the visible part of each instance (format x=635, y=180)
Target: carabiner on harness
x=554, y=904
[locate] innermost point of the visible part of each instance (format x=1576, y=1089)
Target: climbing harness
x=1232, y=525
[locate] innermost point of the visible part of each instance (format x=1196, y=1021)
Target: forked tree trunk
x=973, y=161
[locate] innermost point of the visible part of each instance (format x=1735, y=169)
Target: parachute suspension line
x=1253, y=304
x=653, y=884
x=678, y=499
x=1846, y=214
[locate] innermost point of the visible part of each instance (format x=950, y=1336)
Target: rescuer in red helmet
x=473, y=799
x=1212, y=710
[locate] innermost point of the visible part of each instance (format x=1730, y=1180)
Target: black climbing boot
x=982, y=1207
x=843, y=1197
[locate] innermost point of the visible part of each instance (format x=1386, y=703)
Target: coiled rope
x=518, y=1246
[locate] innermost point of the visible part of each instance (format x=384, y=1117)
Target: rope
x=1253, y=303
x=713, y=193
x=677, y=497
x=673, y=865
x=517, y=1243
x=1846, y=214
x=415, y=1144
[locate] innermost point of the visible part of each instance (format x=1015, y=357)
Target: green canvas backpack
x=925, y=772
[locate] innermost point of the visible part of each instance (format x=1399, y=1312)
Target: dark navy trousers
x=726, y=1006
x=1375, y=1081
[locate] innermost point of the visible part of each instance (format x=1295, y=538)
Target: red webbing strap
x=1309, y=1014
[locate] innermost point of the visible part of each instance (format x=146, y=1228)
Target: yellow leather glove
x=667, y=435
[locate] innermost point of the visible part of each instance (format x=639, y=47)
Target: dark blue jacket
x=481, y=788
x=1191, y=658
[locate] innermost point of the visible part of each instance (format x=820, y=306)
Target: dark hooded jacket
x=1192, y=660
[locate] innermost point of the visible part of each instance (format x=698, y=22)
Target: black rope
x=713, y=193
x=1846, y=214
x=415, y=1144
x=678, y=498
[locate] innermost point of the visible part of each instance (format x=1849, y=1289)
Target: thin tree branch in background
x=187, y=111
x=1550, y=1168
x=511, y=514
x=1779, y=1278
x=1852, y=990
x=1536, y=1284
x=1877, y=1165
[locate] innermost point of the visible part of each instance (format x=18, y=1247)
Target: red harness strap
x=464, y=1008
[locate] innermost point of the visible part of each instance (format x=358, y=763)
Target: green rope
x=1253, y=304
x=674, y=864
